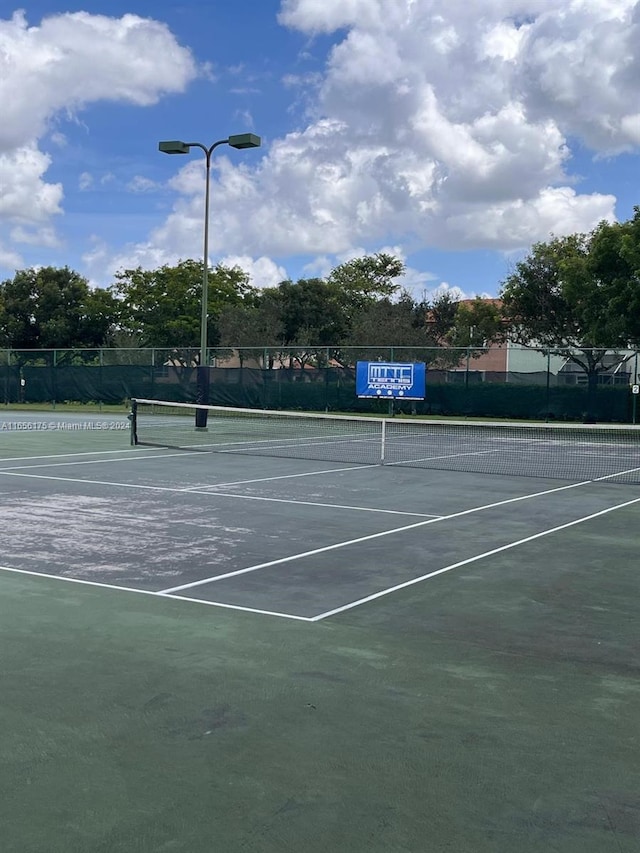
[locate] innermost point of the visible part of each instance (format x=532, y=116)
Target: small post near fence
x=548, y=401
x=635, y=391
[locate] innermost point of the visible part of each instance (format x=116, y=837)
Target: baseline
x=82, y=582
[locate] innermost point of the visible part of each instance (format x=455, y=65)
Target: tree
x=402, y=327
x=100, y=317
x=310, y=313
x=363, y=281
x=163, y=306
x=476, y=323
x=614, y=260
x=441, y=316
x=5, y=340
x=384, y=323
x=54, y=308
x=251, y=327
x=556, y=299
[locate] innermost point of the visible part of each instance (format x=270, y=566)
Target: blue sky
x=454, y=140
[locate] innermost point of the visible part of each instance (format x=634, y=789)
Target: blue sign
x=390, y=379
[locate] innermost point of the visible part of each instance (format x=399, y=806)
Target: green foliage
x=557, y=298
x=386, y=323
x=249, y=328
x=371, y=275
x=363, y=281
x=309, y=311
x=442, y=317
x=614, y=260
x=53, y=308
x=476, y=324
x=163, y=306
x=577, y=295
x=568, y=295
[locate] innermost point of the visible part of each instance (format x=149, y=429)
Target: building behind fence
x=500, y=381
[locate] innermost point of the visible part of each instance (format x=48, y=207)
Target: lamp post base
x=202, y=396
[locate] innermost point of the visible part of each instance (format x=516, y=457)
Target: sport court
x=403, y=658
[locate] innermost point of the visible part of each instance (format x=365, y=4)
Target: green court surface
x=489, y=708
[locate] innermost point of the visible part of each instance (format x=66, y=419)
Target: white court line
x=448, y=456
x=154, y=594
x=279, y=477
x=311, y=441
x=181, y=454
x=83, y=453
x=368, y=538
x=617, y=474
x=466, y=562
x=88, y=461
x=317, y=503
x=210, y=494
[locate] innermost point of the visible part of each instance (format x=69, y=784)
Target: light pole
x=241, y=140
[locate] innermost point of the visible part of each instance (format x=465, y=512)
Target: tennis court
x=287, y=645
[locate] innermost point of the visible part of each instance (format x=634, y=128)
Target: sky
x=453, y=134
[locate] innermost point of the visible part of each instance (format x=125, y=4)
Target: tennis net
x=565, y=451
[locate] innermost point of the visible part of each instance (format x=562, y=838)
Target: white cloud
x=55, y=69
x=45, y=236
x=326, y=16
x=263, y=272
x=140, y=184
x=85, y=181
x=73, y=59
x=10, y=259
x=102, y=262
x=245, y=117
x=554, y=211
x=318, y=267
x=59, y=139
x=435, y=123
x=432, y=127
x=443, y=288
x=25, y=196
x=417, y=282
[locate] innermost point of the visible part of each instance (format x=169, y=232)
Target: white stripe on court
x=89, y=461
x=154, y=594
x=617, y=474
x=83, y=453
x=181, y=454
x=279, y=477
x=232, y=495
x=448, y=456
x=368, y=538
x=316, y=503
x=466, y=562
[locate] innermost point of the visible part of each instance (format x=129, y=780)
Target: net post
x=383, y=440
x=133, y=422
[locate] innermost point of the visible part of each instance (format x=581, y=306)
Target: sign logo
x=390, y=379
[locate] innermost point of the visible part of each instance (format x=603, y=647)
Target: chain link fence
x=500, y=381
